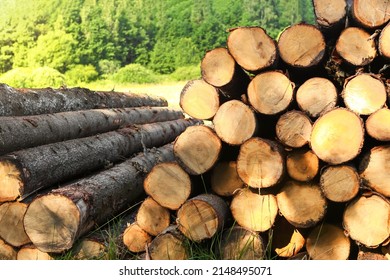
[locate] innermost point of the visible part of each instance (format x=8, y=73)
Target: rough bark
x=316, y=96
x=374, y=169
x=370, y=232
x=224, y=178
x=340, y=183
x=220, y=69
x=293, y=129
x=364, y=93
x=328, y=242
x=170, y=244
x=239, y=243
x=168, y=184
x=302, y=45
x=197, y=149
x=254, y=211
x=355, y=46
x=152, y=217
x=23, y=102
x=23, y=132
x=371, y=14
x=302, y=164
x=336, y=142
x=11, y=223
x=301, y=203
x=252, y=48
x=261, y=163
x=270, y=93
x=25, y=172
x=378, y=125
x=235, y=122
x=56, y=220
x=202, y=216
x=200, y=100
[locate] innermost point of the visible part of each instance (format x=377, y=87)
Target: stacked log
x=71, y=160
x=297, y=148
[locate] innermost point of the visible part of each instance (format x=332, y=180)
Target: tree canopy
x=161, y=35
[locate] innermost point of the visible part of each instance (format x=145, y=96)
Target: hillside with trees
x=85, y=40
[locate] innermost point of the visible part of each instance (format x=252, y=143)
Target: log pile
x=71, y=159
x=296, y=158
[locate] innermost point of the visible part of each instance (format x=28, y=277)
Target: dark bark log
x=25, y=172
x=56, y=220
x=23, y=132
x=22, y=102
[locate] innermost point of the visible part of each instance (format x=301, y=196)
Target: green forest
x=71, y=42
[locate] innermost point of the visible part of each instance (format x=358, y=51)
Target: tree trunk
x=24, y=132
x=302, y=165
x=169, y=245
x=168, y=184
x=200, y=100
x=11, y=223
x=340, y=183
x=364, y=94
x=287, y=240
x=378, y=125
x=293, y=129
x=202, y=216
x=355, y=46
x=254, y=211
x=369, y=231
x=24, y=172
x=302, y=45
x=336, y=142
x=7, y=252
x=220, y=69
x=239, y=243
x=23, y=102
x=252, y=48
x=374, y=169
x=30, y=252
x=270, y=93
x=224, y=178
x=328, y=242
x=135, y=238
x=371, y=14
x=197, y=149
x=55, y=220
x=301, y=203
x=330, y=15
x=235, y=122
x=384, y=42
x=261, y=163
x=152, y=217
x=316, y=96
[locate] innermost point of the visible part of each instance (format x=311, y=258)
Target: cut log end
x=370, y=231
x=235, y=122
x=90, y=250
x=199, y=99
x=378, y=125
x=329, y=12
x=10, y=180
x=224, y=178
x=302, y=165
x=293, y=129
x=340, y=183
x=152, y=217
x=260, y=163
x=7, y=252
x=328, y=242
x=254, y=211
x=334, y=141
x=301, y=203
x=218, y=67
x=384, y=42
x=270, y=93
x=355, y=46
x=169, y=245
x=371, y=14
x=252, y=48
x=135, y=238
x=364, y=94
x=32, y=253
x=51, y=222
x=11, y=223
x=168, y=184
x=302, y=45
